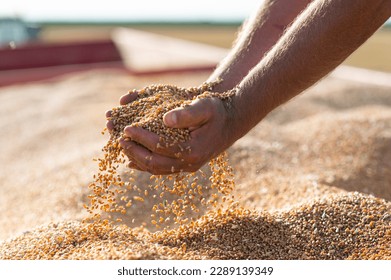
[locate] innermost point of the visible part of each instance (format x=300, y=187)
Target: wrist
x=248, y=106
x=235, y=121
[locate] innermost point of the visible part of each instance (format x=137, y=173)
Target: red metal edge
x=43, y=74
x=45, y=55
x=40, y=61
x=22, y=76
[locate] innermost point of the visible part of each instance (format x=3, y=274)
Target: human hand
x=209, y=122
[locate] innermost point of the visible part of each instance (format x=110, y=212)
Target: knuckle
x=184, y=114
x=207, y=103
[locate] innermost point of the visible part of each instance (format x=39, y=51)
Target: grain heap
x=316, y=172
x=349, y=226
x=110, y=192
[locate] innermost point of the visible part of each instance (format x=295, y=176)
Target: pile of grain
x=351, y=226
x=312, y=179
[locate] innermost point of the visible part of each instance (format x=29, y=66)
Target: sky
x=129, y=10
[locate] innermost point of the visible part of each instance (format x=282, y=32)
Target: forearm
x=257, y=36
x=325, y=34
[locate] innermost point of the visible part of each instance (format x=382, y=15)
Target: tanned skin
x=269, y=67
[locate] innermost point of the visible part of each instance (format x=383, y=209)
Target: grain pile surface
x=313, y=179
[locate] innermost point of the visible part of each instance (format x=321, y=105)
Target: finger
x=127, y=98
x=151, y=141
x=132, y=165
x=124, y=99
x=151, y=162
x=194, y=115
x=108, y=114
x=110, y=125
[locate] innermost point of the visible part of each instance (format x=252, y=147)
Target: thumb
x=194, y=115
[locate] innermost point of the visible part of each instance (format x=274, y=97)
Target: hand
x=211, y=133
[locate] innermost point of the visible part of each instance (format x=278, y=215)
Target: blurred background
x=76, y=35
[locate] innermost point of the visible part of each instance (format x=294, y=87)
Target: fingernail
x=128, y=131
x=171, y=119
